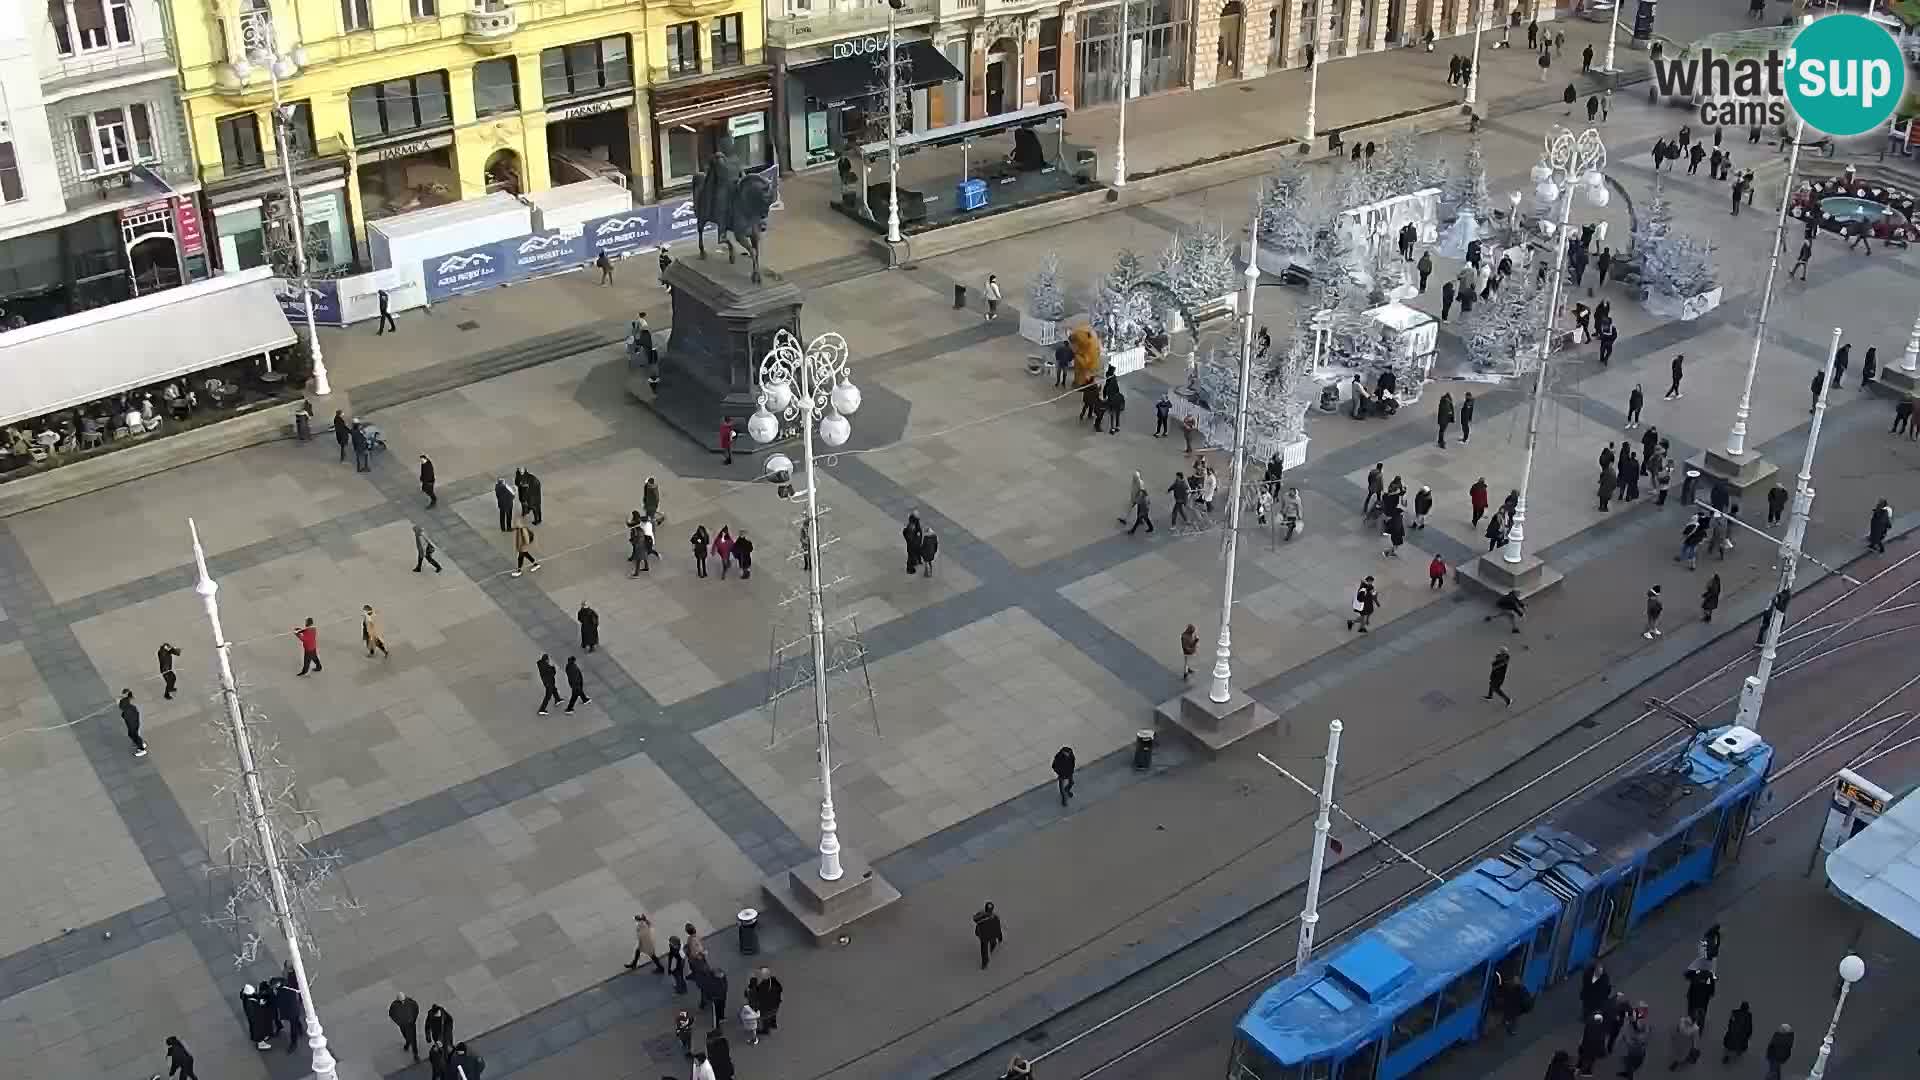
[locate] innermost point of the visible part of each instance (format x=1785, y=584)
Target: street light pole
x=1910, y=361
x=1852, y=970
x=1126, y=85
x=1578, y=158
x=1754, y=691
x=1737, y=436
x=259, y=27
x=1222, y=689
x=1313, y=72
x=1473, y=65
x=1322, y=825
x=254, y=801
x=1613, y=32
x=822, y=363
x=893, y=124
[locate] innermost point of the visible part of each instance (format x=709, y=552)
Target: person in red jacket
x=309, y=637
x=726, y=439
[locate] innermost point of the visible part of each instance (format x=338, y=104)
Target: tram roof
x=1636, y=811
x=1879, y=867
x=1339, y=1003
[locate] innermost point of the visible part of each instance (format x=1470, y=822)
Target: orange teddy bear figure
x=1085, y=345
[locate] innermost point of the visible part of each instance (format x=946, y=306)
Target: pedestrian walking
x=716, y=991
x=650, y=499
x=166, y=657
x=645, y=944
x=1701, y=985
x=1533, y=35
x=523, y=546
x=765, y=991
x=1162, y=410
x=1569, y=95
x=1395, y=532
x=1617, y=1012
x=1445, y=416
x=309, y=636
x=1545, y=62
x=1447, y=291
x=701, y=543
x=1365, y=602
x=370, y=634
x=1779, y=1050
x=1690, y=539
x=929, y=547
x=1425, y=267
x=677, y=964
x=986, y=929
x=589, y=628
x=386, y=315
x=1654, y=609
x=1739, y=1033
x=1679, y=369
x=993, y=296
x=1710, y=599
x=130, y=716
x=1437, y=574
x=1685, y=1044
x=1291, y=513
x=1636, y=400
x=1813, y=389
x=1477, y=499
x=1063, y=765
x=362, y=449
x=405, y=1014
x=576, y=685
x=639, y=547
x=1593, y=1042
x=550, y=689
x=1513, y=606
x=1512, y=999
x=1466, y=417
x=1189, y=644
x=1662, y=481
x=1596, y=989
x=179, y=1061
x=1776, y=504
x=1878, y=525
x=702, y=1068
x=342, y=433
x=726, y=440
x=1116, y=403
x=1497, y=526
x=1497, y=677
x=1603, y=265
x=1902, y=417
x=1609, y=483
x=1869, y=366
x=1180, y=492
x=1375, y=482
x=1140, y=510
x=530, y=499
x=1720, y=535
x=1422, y=506
x=605, y=266
x=503, y=502
x=911, y=533
x=426, y=481
x=1637, y=1032
x=749, y=1026
x=743, y=554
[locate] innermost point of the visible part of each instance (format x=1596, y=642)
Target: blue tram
x=1560, y=895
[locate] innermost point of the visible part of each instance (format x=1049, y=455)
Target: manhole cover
x=468, y=325
x=1434, y=700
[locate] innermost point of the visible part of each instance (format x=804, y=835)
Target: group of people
x=1621, y=471
x=1197, y=486
x=446, y=1059
x=1719, y=161
x=1388, y=503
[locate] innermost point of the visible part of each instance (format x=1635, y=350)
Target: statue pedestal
x=723, y=324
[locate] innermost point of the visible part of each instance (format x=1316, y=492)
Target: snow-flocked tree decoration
x=1680, y=265
x=1466, y=190
x=1122, y=317
x=1199, y=266
x=1401, y=170
x=1502, y=334
x=1045, y=299
x=1286, y=209
x=1654, y=224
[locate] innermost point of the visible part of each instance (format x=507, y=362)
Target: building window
x=398, y=106
x=496, y=87
x=298, y=127
x=1158, y=32
x=426, y=9
x=240, y=142
x=585, y=67
x=683, y=49
x=10, y=190
x=725, y=42
x=90, y=25
x=356, y=14
x=110, y=139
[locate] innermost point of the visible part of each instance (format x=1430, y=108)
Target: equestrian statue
x=736, y=204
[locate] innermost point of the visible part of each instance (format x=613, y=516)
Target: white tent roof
x=1879, y=868
x=95, y=354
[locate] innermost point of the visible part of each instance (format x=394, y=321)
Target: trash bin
x=1086, y=165
x=749, y=920
x=302, y=424
x=959, y=296
x=1143, y=749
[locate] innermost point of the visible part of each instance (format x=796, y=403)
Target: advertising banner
x=326, y=302
x=615, y=234
x=676, y=220
x=546, y=253
x=465, y=271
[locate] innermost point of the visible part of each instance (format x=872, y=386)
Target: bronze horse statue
x=736, y=204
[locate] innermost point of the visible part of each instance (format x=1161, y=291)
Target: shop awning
x=969, y=130
x=1879, y=868
x=71, y=361
x=852, y=77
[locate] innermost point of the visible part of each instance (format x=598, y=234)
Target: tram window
x=1249, y=1063
x=1513, y=963
x=1702, y=833
x=1543, y=939
x=1464, y=992
x=1319, y=1070
x=1415, y=1022
x=1666, y=856
x=1590, y=908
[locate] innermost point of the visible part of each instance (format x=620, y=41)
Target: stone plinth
x=1216, y=724
x=723, y=324
x=826, y=907
x=1898, y=382
x=1529, y=577
x=1748, y=474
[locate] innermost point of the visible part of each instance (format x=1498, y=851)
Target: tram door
x=1362, y=1064
x=1616, y=911
x=1733, y=833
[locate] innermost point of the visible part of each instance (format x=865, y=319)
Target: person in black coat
x=440, y=1027
x=258, y=1008
x=929, y=547
x=720, y=1055
x=576, y=685
x=589, y=628
x=1445, y=417
x=437, y=1060
x=743, y=552
x=1596, y=990
x=179, y=1062
x=986, y=928
x=1116, y=402
x=1593, y=1042
x=426, y=481
x=1700, y=988
x=765, y=992
x=464, y=1064
x=292, y=1011
x=342, y=433
x=405, y=1014
x=910, y=534
x=1779, y=1050
x=1739, y=1033
x=503, y=501
x=1879, y=525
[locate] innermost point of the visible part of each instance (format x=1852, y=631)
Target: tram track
x=1187, y=1003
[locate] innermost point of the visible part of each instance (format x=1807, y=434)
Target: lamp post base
x=1494, y=574
x=1217, y=725
x=826, y=907
x=1898, y=382
x=1748, y=474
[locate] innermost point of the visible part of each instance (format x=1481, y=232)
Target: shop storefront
x=403, y=144
x=836, y=94
x=1159, y=45
x=697, y=118
x=589, y=93
x=250, y=230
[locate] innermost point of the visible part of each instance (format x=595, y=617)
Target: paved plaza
x=497, y=857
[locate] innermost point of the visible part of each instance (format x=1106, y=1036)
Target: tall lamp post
x=1910, y=360
x=1317, y=865
x=1473, y=65
x=1613, y=32
x=1852, y=970
x=1571, y=163
x=804, y=384
x=1126, y=86
x=257, y=37
x=1313, y=72
x=254, y=802
x=1737, y=435
x=893, y=121
x=1754, y=690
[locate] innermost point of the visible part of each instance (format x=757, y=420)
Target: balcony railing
x=828, y=22
x=122, y=185
x=491, y=20
x=68, y=72
x=220, y=172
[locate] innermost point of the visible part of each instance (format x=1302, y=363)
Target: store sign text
x=590, y=108
x=866, y=46
x=409, y=148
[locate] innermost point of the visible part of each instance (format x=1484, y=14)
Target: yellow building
x=393, y=105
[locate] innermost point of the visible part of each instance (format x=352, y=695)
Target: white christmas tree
x=1045, y=300
x=1466, y=190
x=1122, y=316
x=1199, y=266
x=1680, y=265
x=1502, y=334
x=1286, y=203
x=1652, y=226
x=1400, y=170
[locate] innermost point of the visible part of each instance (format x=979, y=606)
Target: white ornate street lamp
x=257, y=37
x=1126, y=84
x=1571, y=163
x=1473, y=65
x=1852, y=970
x=1613, y=32
x=893, y=122
x=1313, y=72
x=800, y=384
x=1737, y=435
x=1910, y=361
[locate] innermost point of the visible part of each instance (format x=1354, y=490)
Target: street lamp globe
x=1541, y=172
x=1599, y=197
x=285, y=68
x=834, y=429
x=762, y=425
x=1546, y=190
x=1852, y=969
x=242, y=70
x=777, y=395
x=846, y=397
x=779, y=465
